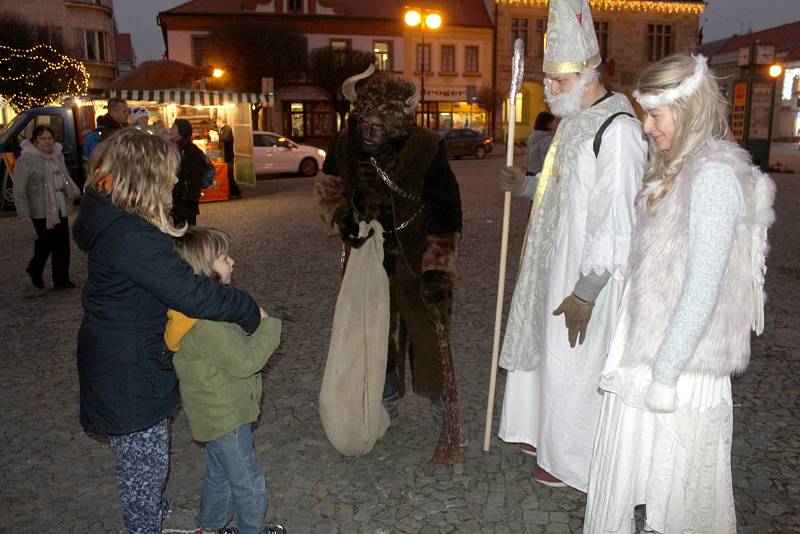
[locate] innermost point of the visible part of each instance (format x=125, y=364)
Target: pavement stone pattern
x=56, y=478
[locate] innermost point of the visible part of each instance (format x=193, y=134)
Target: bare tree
x=250, y=52
x=330, y=67
x=33, y=69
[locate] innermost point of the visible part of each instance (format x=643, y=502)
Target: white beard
x=569, y=103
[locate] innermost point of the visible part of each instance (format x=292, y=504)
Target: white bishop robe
x=581, y=221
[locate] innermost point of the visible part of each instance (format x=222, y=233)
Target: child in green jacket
x=219, y=371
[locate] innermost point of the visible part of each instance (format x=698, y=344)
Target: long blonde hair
x=138, y=171
x=699, y=117
x=201, y=246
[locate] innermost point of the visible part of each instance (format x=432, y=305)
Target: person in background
x=186, y=194
x=538, y=142
x=128, y=385
x=41, y=194
x=219, y=372
x=159, y=128
x=226, y=138
x=114, y=120
x=140, y=118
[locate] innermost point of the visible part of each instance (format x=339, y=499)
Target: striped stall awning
x=190, y=97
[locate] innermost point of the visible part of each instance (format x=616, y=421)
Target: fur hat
x=138, y=112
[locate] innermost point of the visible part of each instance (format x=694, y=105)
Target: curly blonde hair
x=699, y=117
x=138, y=171
x=201, y=246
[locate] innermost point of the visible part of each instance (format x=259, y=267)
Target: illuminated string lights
x=39, y=76
x=646, y=6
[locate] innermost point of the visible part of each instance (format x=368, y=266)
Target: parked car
x=276, y=154
x=465, y=142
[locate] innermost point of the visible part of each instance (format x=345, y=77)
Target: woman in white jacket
x=42, y=194
x=694, y=292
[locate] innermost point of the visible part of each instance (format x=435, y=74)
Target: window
x=339, y=47
x=101, y=46
x=294, y=6
x=519, y=30
x=263, y=140
x=91, y=44
x=541, y=33
x=383, y=55
x=659, y=41
x=448, y=58
x=423, y=58
x=601, y=29
x=95, y=45
x=199, y=45
x=471, y=59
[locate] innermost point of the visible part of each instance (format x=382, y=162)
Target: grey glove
x=512, y=179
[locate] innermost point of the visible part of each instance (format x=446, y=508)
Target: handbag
x=71, y=189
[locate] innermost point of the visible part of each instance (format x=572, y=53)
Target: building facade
x=739, y=58
x=454, y=64
x=85, y=30
x=302, y=110
x=631, y=34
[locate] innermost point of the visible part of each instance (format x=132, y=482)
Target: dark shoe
x=275, y=529
x=530, y=450
x=37, y=279
x=65, y=285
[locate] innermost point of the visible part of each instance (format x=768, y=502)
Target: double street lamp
x=425, y=19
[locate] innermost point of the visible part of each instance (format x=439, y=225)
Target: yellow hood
x=178, y=325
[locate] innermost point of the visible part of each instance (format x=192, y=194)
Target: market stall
x=201, y=109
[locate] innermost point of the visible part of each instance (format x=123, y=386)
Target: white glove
x=661, y=398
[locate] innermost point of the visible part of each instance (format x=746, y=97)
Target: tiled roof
x=455, y=12
x=784, y=38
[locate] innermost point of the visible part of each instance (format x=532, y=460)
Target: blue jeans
x=234, y=484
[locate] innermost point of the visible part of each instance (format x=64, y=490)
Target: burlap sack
x=350, y=400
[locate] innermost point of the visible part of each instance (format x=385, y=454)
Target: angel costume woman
x=694, y=293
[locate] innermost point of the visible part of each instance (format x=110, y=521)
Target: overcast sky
x=720, y=19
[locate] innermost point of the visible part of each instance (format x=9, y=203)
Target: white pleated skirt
x=677, y=464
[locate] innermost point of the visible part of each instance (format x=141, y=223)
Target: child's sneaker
x=275, y=529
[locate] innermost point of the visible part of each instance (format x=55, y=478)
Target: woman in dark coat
x=128, y=386
x=186, y=194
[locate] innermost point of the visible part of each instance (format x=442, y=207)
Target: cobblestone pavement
x=55, y=478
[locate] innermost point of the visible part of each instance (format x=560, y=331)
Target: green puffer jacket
x=218, y=367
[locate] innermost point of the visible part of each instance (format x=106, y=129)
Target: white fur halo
x=685, y=88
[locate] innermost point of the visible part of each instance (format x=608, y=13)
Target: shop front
x=448, y=107
x=202, y=109
x=313, y=122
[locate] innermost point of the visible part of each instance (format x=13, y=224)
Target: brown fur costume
x=351, y=190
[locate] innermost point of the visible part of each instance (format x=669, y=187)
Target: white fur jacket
x=658, y=267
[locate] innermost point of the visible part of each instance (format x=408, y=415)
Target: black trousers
x=232, y=185
x=55, y=242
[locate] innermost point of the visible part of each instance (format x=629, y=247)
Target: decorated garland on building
x=39, y=76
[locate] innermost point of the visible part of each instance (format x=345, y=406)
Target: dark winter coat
x=127, y=381
x=226, y=138
x=186, y=193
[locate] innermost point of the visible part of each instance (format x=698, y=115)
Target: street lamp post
x=432, y=20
